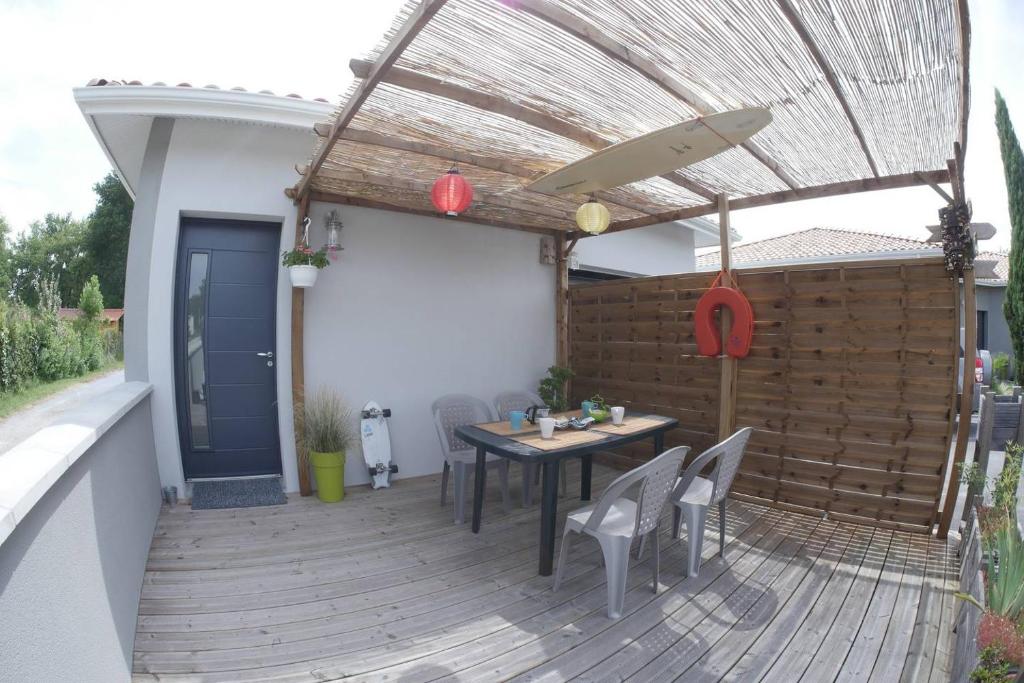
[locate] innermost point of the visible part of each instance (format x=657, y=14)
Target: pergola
x=865, y=95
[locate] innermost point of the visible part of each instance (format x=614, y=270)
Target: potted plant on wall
x=304, y=264
x=329, y=432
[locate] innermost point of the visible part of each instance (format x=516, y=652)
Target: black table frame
x=507, y=447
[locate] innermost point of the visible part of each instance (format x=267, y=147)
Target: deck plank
x=385, y=587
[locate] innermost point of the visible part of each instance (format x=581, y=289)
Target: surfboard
x=373, y=429
x=655, y=153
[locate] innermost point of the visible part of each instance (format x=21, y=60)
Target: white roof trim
x=831, y=258
x=206, y=103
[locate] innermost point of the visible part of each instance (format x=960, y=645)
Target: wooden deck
x=384, y=587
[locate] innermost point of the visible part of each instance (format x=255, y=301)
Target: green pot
x=329, y=470
x=599, y=415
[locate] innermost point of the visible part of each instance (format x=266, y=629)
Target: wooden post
x=970, y=324
x=727, y=389
x=561, y=301
x=299, y=364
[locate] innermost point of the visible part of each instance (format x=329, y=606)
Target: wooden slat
x=420, y=17
x=592, y=35
x=827, y=190
x=797, y=22
x=480, y=99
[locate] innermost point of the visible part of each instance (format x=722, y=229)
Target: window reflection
x=195, y=325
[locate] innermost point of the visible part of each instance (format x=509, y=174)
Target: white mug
x=617, y=413
x=547, y=427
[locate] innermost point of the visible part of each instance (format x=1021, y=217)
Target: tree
x=54, y=249
x=106, y=241
x=90, y=303
x=1013, y=169
x=5, y=259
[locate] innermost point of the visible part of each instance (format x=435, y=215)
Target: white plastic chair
x=694, y=494
x=456, y=410
x=505, y=403
x=615, y=520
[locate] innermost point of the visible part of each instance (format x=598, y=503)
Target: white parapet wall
x=78, y=506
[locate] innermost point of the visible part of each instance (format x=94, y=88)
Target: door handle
x=268, y=354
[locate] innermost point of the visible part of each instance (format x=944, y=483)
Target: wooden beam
x=830, y=76
x=963, y=17
x=601, y=41
x=564, y=216
x=935, y=186
x=561, y=301
x=299, y=364
x=419, y=18
x=970, y=325
x=333, y=198
x=412, y=80
x=449, y=154
x=830, y=190
x=730, y=367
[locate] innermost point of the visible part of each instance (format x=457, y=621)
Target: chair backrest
x=455, y=410
x=656, y=480
x=727, y=456
x=506, y=402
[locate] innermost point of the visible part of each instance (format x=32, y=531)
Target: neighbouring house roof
x=833, y=244
x=109, y=314
x=862, y=98
x=120, y=113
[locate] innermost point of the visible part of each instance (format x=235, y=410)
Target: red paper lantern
x=452, y=194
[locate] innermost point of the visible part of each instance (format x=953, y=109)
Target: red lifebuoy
x=709, y=339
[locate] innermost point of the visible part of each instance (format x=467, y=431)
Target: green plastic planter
x=329, y=470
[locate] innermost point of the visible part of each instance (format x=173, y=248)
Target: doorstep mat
x=561, y=439
x=630, y=425
x=237, y=493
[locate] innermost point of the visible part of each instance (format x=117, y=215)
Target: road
x=17, y=427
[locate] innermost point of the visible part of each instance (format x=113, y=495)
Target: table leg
x=586, y=473
x=479, y=486
x=548, y=515
x=659, y=443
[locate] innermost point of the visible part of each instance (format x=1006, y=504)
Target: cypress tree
x=1013, y=168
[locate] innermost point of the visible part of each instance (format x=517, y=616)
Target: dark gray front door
x=225, y=355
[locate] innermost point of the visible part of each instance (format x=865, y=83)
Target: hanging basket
x=303, y=276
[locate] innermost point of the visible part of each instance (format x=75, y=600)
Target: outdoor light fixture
x=332, y=221
x=452, y=194
x=593, y=217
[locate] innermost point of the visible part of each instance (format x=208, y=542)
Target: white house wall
x=417, y=307
x=226, y=170
x=655, y=250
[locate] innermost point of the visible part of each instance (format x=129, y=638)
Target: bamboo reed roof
x=864, y=94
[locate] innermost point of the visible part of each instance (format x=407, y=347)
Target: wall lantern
x=593, y=217
x=452, y=194
x=333, y=224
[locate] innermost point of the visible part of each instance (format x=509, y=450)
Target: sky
x=49, y=159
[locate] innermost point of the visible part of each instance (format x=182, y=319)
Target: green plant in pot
x=329, y=432
x=552, y=388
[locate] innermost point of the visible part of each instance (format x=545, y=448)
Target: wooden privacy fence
x=850, y=383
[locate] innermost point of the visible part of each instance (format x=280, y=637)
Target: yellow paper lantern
x=593, y=217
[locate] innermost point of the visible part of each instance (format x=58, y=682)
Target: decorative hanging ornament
x=452, y=194
x=593, y=217
x=959, y=245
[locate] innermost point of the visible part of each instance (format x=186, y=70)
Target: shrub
x=90, y=303
x=991, y=667
x=61, y=353
x=1001, y=366
x=1001, y=633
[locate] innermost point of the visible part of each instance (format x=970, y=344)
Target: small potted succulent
x=304, y=264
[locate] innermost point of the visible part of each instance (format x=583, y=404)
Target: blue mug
x=516, y=418
x=587, y=407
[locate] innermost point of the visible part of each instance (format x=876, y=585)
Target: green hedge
x=37, y=345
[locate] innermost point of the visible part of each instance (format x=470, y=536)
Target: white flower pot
x=303, y=276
